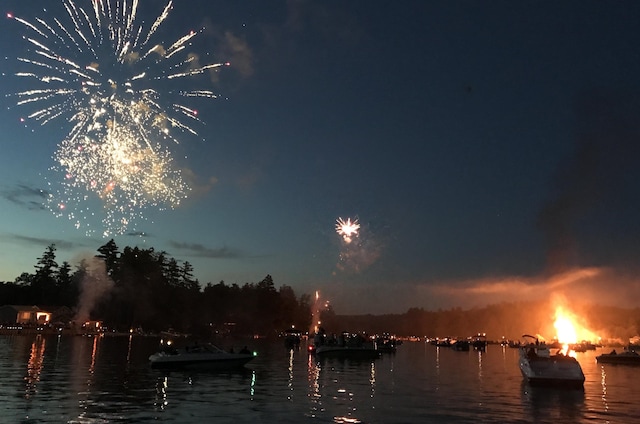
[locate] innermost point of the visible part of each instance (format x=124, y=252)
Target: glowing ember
x=347, y=229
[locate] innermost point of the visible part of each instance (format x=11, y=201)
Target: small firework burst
x=347, y=229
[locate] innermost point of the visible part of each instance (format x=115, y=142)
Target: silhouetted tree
x=24, y=279
x=44, y=281
x=66, y=291
x=172, y=272
x=186, y=276
x=109, y=253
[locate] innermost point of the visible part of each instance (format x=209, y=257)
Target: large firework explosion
x=100, y=68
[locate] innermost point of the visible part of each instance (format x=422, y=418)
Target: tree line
x=500, y=321
x=150, y=290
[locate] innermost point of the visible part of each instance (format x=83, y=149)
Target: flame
x=565, y=329
x=569, y=331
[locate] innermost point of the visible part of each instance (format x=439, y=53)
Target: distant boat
x=539, y=367
x=205, y=356
x=446, y=342
x=461, y=345
x=386, y=344
x=480, y=342
x=627, y=357
x=347, y=346
x=292, y=339
x=583, y=346
x=171, y=334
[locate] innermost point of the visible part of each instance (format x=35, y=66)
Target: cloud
x=524, y=286
x=333, y=25
x=26, y=196
x=199, y=187
x=230, y=48
x=250, y=177
x=60, y=244
x=576, y=287
x=138, y=234
x=606, y=286
x=237, y=51
x=196, y=249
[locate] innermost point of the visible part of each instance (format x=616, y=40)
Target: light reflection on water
x=62, y=379
x=34, y=366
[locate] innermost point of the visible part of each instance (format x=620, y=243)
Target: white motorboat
x=539, y=367
x=206, y=356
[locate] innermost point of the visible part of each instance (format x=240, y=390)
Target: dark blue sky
x=483, y=146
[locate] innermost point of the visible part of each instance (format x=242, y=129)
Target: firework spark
x=99, y=69
x=347, y=229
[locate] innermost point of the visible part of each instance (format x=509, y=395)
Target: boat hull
x=208, y=363
x=557, y=370
x=206, y=356
x=621, y=359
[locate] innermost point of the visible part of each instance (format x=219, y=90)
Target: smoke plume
x=95, y=284
x=594, y=184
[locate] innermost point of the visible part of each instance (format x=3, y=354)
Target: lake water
x=108, y=379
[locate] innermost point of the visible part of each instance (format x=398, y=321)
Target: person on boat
x=245, y=350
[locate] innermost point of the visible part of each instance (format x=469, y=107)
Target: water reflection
x=85, y=380
x=129, y=350
x=479, y=352
x=94, y=353
x=603, y=382
x=372, y=379
x=84, y=375
x=346, y=420
x=553, y=403
x=161, y=401
x=34, y=366
x=313, y=375
x=252, y=389
x=346, y=385
x=290, y=381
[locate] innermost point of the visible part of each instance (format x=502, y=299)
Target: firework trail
x=99, y=69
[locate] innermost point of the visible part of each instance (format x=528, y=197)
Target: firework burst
x=347, y=229
x=359, y=249
x=99, y=68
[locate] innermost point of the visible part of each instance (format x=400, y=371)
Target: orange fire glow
x=565, y=330
x=569, y=330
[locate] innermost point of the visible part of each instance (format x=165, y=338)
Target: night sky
x=489, y=151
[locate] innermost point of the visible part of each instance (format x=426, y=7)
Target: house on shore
x=24, y=315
